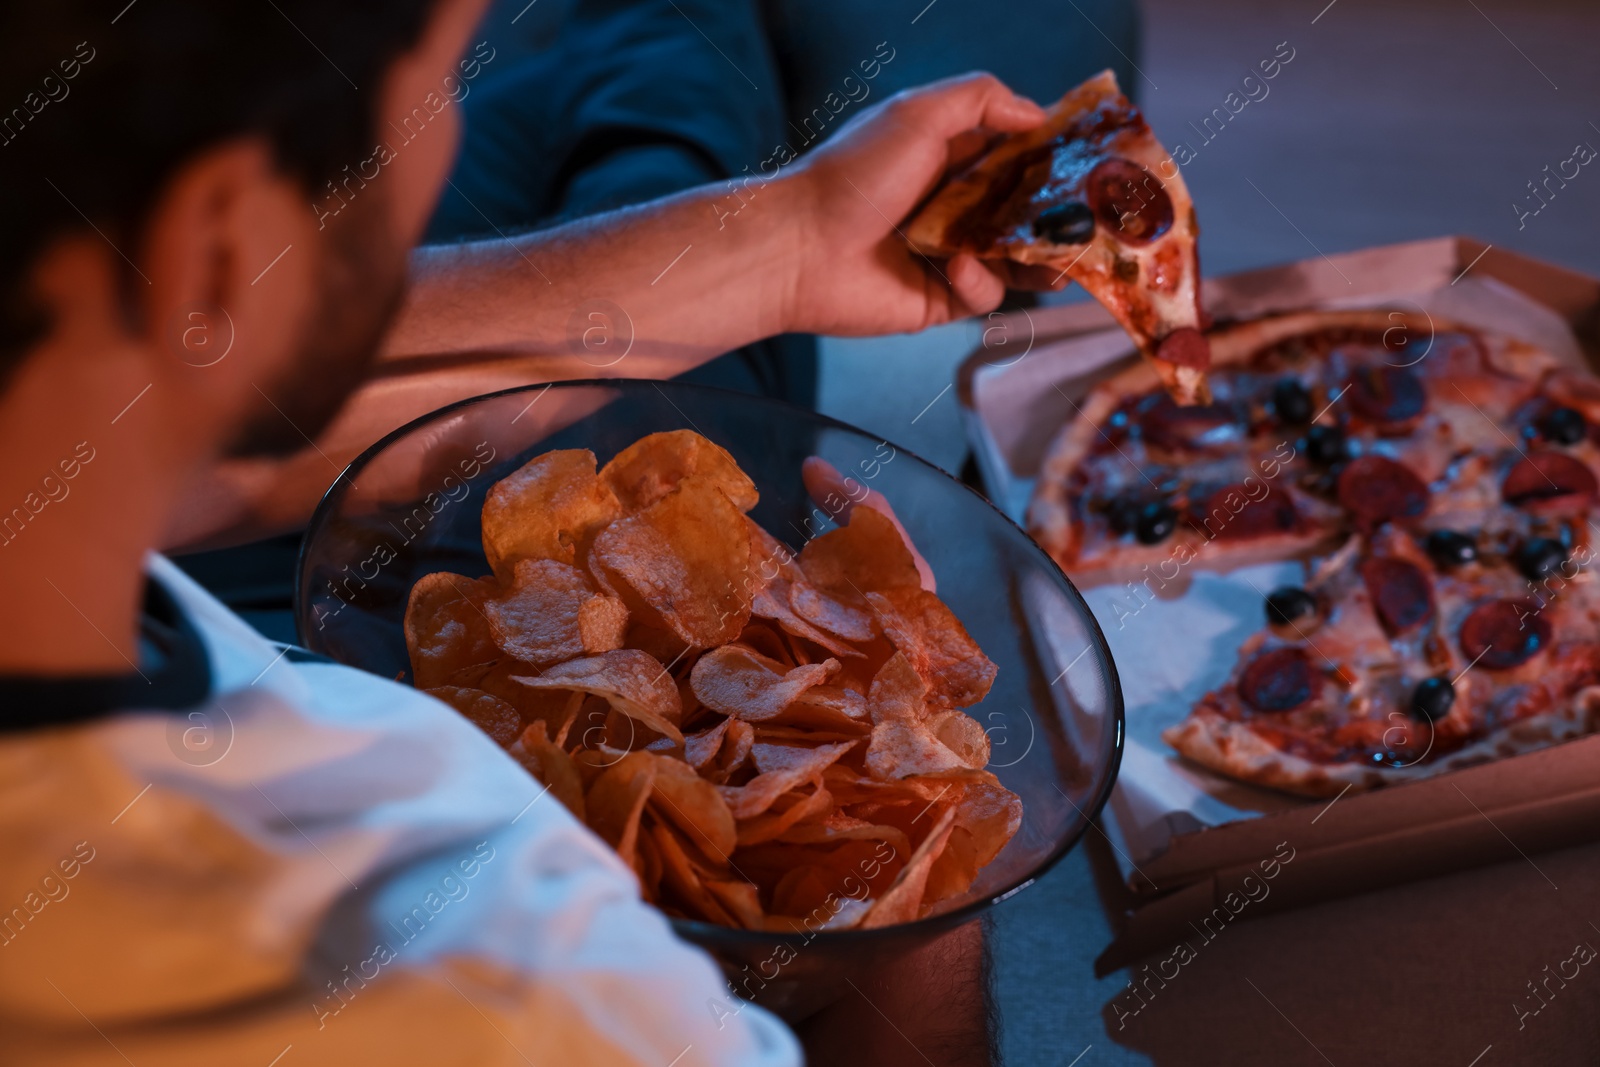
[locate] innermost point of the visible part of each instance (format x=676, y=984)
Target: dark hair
x=105, y=100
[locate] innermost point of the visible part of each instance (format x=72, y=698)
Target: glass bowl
x=410, y=505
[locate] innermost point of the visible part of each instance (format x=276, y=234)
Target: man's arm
x=814, y=247
x=672, y=283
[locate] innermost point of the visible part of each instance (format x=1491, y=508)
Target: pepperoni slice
x=1401, y=593
x=1185, y=347
x=1279, y=680
x=1550, y=483
x=1387, y=394
x=1376, y=489
x=1504, y=633
x=1129, y=200
x=1231, y=514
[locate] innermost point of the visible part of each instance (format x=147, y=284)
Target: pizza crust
x=1233, y=749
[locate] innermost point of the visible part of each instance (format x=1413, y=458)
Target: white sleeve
x=360, y=873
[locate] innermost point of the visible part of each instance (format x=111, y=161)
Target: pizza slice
x=1093, y=194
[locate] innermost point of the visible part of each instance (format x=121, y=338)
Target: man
x=343, y=871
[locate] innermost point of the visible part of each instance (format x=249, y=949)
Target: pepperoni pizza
x=1449, y=476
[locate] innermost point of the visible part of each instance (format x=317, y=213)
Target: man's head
x=168, y=168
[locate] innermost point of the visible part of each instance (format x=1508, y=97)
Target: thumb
x=954, y=105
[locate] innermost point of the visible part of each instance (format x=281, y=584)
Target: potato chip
x=902, y=745
x=742, y=683
x=785, y=814
x=682, y=879
x=532, y=704
x=662, y=645
x=550, y=764
x=828, y=708
x=803, y=890
x=615, y=802
x=837, y=826
x=695, y=806
x=898, y=692
x=602, y=622
x=623, y=733
x=906, y=750
x=855, y=788
x=591, y=764
x=854, y=863
x=701, y=748
x=488, y=713
x=653, y=466
x=769, y=557
x=547, y=509
x=536, y=619
x=955, y=868
x=828, y=612
x=992, y=813
x=865, y=556
x=735, y=752
x=588, y=727
x=902, y=902
x=777, y=573
x=742, y=900
x=447, y=633
x=648, y=866
x=757, y=795
x=961, y=734
x=772, y=601
x=630, y=681
x=939, y=648
x=987, y=817
x=683, y=558
x=768, y=640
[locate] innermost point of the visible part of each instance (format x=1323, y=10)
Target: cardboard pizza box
x=1190, y=846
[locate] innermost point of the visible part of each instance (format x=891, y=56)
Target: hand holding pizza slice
x=1089, y=193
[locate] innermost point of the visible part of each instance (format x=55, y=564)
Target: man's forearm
x=688, y=276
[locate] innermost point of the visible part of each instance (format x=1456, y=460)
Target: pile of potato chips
x=770, y=740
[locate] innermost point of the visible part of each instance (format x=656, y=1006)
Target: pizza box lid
x=1181, y=837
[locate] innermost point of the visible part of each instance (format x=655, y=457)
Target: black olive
x=1447, y=548
x=1291, y=402
x=1431, y=699
x=1071, y=223
x=1540, y=557
x=1123, y=513
x=1155, y=523
x=1325, y=445
x=1289, y=603
x=1564, y=426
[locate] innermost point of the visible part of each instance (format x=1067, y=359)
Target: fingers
x=838, y=496
x=954, y=105
x=974, y=287
x=967, y=146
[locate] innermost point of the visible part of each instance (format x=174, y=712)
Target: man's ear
x=220, y=251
